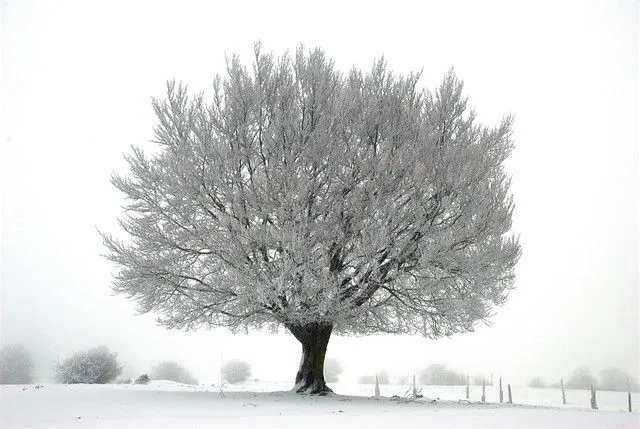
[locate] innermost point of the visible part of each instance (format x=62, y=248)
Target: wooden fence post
x=509, y=393
x=594, y=404
x=564, y=398
x=501, y=394
x=415, y=391
x=467, y=389
x=483, y=396
x=629, y=401
x=376, y=391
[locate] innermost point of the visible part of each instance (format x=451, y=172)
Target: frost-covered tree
x=616, y=379
x=16, y=365
x=382, y=377
x=94, y=366
x=322, y=202
x=235, y=371
x=581, y=378
x=536, y=382
x=172, y=371
x=439, y=375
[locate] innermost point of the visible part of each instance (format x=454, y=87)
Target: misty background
x=77, y=81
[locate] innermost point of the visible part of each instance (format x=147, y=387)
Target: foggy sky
x=77, y=79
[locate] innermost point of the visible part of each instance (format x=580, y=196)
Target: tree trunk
x=314, y=338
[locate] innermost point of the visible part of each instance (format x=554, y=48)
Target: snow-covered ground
x=163, y=404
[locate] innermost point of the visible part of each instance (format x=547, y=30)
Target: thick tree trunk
x=314, y=338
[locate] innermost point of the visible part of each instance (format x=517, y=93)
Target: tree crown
x=297, y=194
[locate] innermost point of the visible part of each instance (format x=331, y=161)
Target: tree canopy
x=297, y=196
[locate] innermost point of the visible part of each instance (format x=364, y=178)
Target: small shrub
x=170, y=370
x=536, y=382
x=367, y=379
x=94, y=366
x=143, y=379
x=440, y=375
x=236, y=371
x=479, y=379
x=403, y=379
x=383, y=378
x=16, y=366
x=332, y=370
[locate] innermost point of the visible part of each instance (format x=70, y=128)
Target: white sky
x=77, y=78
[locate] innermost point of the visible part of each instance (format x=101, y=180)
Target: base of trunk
x=314, y=338
x=311, y=384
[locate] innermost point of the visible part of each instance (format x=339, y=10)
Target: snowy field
x=163, y=404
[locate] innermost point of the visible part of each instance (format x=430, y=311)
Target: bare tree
x=321, y=202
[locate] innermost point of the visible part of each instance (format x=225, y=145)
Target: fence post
x=415, y=391
x=501, y=394
x=629, y=401
x=483, y=396
x=594, y=404
x=564, y=398
x=376, y=391
x=509, y=393
x=467, y=389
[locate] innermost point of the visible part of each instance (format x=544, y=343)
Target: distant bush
x=16, y=366
x=332, y=370
x=440, y=375
x=143, y=379
x=536, y=382
x=581, y=378
x=617, y=380
x=236, y=371
x=367, y=379
x=383, y=378
x=170, y=370
x=403, y=379
x=479, y=379
x=93, y=366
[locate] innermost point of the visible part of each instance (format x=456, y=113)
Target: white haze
x=77, y=78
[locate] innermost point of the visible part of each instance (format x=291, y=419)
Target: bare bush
x=581, y=378
x=439, y=375
x=236, y=371
x=383, y=378
x=536, y=382
x=480, y=379
x=172, y=371
x=367, y=379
